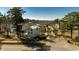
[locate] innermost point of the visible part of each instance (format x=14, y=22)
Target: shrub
x=74, y=41
x=39, y=37
x=77, y=38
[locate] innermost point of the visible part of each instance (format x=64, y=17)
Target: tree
x=1, y=17
x=16, y=15
x=72, y=19
x=1, y=20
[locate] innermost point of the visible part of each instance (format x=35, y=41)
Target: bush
x=77, y=38
x=40, y=37
x=74, y=41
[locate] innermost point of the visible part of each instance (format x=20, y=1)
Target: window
x=31, y=30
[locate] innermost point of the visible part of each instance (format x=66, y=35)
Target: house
x=34, y=30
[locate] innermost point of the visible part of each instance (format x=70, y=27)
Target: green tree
x=16, y=15
x=72, y=19
x=1, y=20
x=4, y=20
x=1, y=17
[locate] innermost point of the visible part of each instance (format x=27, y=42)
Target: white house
x=34, y=30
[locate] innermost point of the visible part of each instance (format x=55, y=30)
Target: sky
x=44, y=13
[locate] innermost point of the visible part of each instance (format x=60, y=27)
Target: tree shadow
x=52, y=41
x=35, y=44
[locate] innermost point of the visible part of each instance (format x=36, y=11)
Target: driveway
x=61, y=44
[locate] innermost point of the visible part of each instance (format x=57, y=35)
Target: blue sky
x=44, y=13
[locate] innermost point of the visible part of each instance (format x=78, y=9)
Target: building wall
x=33, y=32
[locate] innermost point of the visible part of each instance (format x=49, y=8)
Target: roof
x=34, y=27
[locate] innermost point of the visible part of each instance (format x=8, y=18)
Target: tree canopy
x=16, y=14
